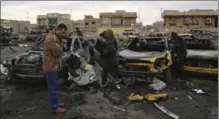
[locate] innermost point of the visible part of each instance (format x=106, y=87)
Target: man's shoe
x=60, y=110
x=104, y=83
x=61, y=104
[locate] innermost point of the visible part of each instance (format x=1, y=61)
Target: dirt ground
x=30, y=101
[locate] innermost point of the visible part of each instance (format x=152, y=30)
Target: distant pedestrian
x=52, y=54
x=179, y=53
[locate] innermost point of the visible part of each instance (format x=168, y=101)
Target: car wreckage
x=145, y=57
x=76, y=67
x=202, y=56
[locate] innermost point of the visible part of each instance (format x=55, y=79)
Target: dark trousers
x=178, y=67
x=109, y=67
x=52, y=85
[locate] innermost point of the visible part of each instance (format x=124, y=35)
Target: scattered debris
x=120, y=109
x=148, y=97
x=199, y=91
x=158, y=85
x=114, y=97
x=188, y=96
x=166, y=111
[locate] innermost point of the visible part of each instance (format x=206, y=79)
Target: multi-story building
x=24, y=26
x=118, y=20
x=175, y=20
x=5, y=23
x=91, y=24
x=53, y=19
x=18, y=26
x=78, y=24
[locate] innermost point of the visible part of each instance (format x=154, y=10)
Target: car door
x=77, y=47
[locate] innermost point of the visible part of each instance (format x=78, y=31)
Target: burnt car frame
x=202, y=56
x=145, y=57
x=29, y=64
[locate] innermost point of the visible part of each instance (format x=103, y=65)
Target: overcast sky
x=150, y=11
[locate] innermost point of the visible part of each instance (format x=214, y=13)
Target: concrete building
x=18, y=26
x=33, y=26
x=5, y=23
x=175, y=20
x=159, y=26
x=91, y=24
x=53, y=19
x=24, y=26
x=117, y=21
x=79, y=24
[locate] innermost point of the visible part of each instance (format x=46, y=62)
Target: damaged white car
x=76, y=67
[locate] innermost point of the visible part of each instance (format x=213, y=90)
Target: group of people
x=107, y=45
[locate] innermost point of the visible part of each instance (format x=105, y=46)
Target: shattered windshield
x=200, y=44
x=148, y=44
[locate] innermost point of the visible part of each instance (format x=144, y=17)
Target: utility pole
x=71, y=21
x=161, y=10
x=27, y=16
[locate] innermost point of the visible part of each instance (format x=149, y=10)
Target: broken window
x=148, y=44
x=208, y=21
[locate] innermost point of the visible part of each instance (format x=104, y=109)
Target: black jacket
x=103, y=49
x=178, y=45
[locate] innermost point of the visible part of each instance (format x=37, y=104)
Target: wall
x=15, y=25
x=24, y=25
x=115, y=30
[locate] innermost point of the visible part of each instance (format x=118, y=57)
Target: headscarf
x=109, y=34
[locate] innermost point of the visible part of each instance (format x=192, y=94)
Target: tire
x=167, y=75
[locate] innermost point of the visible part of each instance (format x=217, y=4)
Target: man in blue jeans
x=52, y=54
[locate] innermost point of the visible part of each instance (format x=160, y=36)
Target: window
x=105, y=21
x=195, y=21
x=121, y=21
x=208, y=21
x=187, y=21
x=93, y=22
x=116, y=21
x=86, y=23
x=76, y=45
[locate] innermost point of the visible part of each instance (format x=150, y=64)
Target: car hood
x=202, y=54
x=129, y=54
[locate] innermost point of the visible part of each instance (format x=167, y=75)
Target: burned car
x=75, y=63
x=145, y=57
x=202, y=56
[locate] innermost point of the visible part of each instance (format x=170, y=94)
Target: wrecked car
x=145, y=57
x=202, y=56
x=75, y=63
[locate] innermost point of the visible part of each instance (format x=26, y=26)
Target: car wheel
x=167, y=75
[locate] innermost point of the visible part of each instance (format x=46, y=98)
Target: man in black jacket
x=107, y=46
x=179, y=53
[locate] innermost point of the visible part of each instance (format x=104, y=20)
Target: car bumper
x=24, y=76
x=201, y=70
x=139, y=73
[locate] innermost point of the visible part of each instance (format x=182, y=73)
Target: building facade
x=175, y=20
x=53, y=19
x=118, y=20
x=78, y=24
x=18, y=26
x=91, y=24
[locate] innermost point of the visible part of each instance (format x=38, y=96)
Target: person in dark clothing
x=179, y=53
x=108, y=49
x=78, y=32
